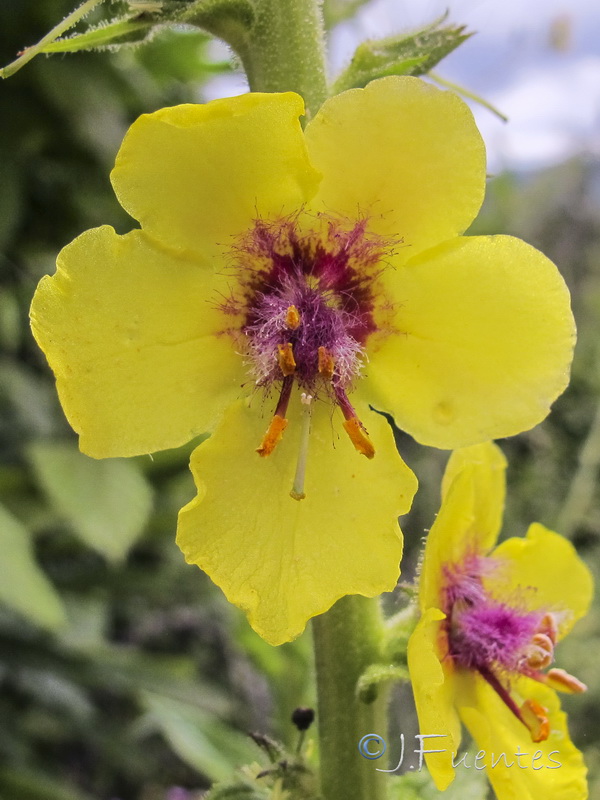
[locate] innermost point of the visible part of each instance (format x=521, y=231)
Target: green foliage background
x=123, y=672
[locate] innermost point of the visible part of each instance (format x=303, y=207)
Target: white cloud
x=553, y=113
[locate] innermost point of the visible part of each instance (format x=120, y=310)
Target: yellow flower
x=282, y=282
x=490, y=620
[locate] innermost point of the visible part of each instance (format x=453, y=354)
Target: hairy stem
x=347, y=640
x=286, y=50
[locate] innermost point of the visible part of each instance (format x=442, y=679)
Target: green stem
x=347, y=639
x=58, y=30
x=286, y=50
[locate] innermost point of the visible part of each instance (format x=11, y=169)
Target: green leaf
x=107, y=502
x=124, y=30
x=24, y=587
x=31, y=52
x=145, y=16
x=405, y=54
x=198, y=738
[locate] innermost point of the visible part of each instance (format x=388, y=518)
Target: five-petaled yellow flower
x=490, y=621
x=284, y=280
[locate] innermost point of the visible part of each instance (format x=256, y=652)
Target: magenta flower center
x=501, y=639
x=484, y=633
x=308, y=299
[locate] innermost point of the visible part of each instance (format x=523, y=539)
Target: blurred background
x=124, y=674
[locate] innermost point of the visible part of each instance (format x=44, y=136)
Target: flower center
x=309, y=298
x=500, y=640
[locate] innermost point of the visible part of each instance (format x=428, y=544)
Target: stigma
x=502, y=641
x=309, y=301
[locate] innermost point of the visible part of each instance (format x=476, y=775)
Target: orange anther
x=540, y=652
x=549, y=627
x=544, y=641
x=292, y=318
x=534, y=715
x=273, y=436
x=285, y=357
x=561, y=680
x=326, y=363
x=358, y=437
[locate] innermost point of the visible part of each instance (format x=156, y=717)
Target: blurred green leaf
x=336, y=11
x=88, y=622
x=32, y=401
x=10, y=313
x=11, y=196
x=170, y=677
x=467, y=785
x=59, y=693
x=107, y=502
x=33, y=785
x=405, y=54
x=198, y=738
x=180, y=54
x=24, y=586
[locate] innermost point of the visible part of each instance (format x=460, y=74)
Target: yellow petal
x=487, y=466
x=550, y=769
x=404, y=153
x=133, y=335
x=544, y=571
x=433, y=691
x=484, y=342
x=194, y=175
x=283, y=560
x=469, y=518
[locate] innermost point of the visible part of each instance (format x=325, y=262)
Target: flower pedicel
x=281, y=284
